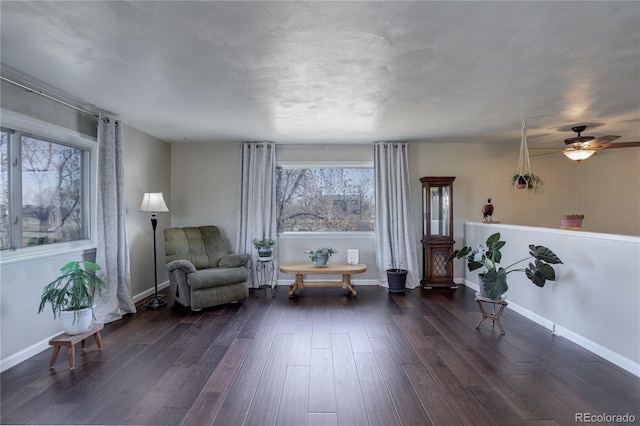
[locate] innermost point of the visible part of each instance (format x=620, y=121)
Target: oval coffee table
x=300, y=269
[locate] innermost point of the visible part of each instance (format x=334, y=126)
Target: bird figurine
x=487, y=211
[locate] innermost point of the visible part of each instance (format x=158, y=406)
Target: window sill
x=34, y=253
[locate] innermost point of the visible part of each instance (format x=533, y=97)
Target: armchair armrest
x=186, y=266
x=233, y=260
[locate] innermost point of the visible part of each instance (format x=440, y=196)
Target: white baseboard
x=23, y=355
x=613, y=357
x=141, y=296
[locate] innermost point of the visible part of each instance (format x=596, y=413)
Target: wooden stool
x=69, y=340
x=495, y=317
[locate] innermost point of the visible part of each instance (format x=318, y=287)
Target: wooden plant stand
x=69, y=340
x=494, y=316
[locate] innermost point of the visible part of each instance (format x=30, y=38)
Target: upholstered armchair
x=201, y=272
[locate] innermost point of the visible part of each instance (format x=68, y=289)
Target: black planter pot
x=397, y=278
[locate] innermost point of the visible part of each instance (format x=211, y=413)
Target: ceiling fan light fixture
x=578, y=154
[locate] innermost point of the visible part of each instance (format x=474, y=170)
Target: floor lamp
x=154, y=202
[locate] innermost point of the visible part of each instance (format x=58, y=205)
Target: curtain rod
x=37, y=92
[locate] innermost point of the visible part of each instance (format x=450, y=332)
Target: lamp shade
x=578, y=154
x=153, y=202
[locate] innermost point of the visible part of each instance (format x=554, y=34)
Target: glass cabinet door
x=440, y=210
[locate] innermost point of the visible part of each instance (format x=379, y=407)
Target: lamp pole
x=156, y=302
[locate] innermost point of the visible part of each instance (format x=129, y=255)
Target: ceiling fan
x=582, y=147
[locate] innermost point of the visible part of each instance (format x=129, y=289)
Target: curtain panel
x=257, y=204
x=112, y=252
x=395, y=226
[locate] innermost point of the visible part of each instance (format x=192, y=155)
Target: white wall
x=594, y=300
x=147, y=169
x=205, y=181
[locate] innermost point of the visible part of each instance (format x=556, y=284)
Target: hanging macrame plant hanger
x=524, y=166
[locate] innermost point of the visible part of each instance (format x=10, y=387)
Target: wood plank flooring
x=322, y=358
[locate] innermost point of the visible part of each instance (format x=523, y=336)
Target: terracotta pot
x=571, y=221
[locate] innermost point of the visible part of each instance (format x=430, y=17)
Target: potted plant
x=397, y=279
x=321, y=255
x=71, y=295
x=494, y=280
x=264, y=247
x=571, y=221
x=533, y=183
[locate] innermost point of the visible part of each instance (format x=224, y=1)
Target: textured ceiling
x=339, y=72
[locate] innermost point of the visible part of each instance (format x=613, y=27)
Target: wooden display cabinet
x=437, y=231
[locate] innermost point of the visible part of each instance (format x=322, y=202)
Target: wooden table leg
x=346, y=283
x=297, y=285
x=54, y=357
x=71, y=353
x=98, y=340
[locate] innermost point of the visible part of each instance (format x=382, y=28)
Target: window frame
x=22, y=125
x=327, y=165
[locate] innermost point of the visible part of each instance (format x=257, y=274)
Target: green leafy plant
x=533, y=183
x=312, y=253
x=264, y=242
x=74, y=289
x=495, y=276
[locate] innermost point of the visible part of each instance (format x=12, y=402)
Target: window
x=44, y=195
x=325, y=199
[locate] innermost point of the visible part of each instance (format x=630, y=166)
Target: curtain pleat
x=395, y=227
x=257, y=204
x=112, y=252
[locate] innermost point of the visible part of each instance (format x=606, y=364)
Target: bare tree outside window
x=51, y=192
x=325, y=199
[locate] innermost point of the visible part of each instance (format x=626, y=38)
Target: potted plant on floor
x=71, y=295
x=264, y=247
x=321, y=256
x=397, y=279
x=493, y=283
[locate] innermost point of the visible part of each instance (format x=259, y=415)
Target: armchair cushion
x=216, y=277
x=234, y=260
x=203, y=246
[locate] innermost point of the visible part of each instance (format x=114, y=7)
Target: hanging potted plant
x=530, y=181
x=524, y=178
x=71, y=295
x=493, y=282
x=264, y=247
x=321, y=256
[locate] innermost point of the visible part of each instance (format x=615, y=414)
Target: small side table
x=69, y=340
x=494, y=316
x=264, y=274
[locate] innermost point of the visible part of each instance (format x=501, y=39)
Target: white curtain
x=395, y=227
x=257, y=206
x=112, y=252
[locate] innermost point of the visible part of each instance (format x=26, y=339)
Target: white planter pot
x=77, y=322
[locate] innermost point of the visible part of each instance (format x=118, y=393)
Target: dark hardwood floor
x=323, y=358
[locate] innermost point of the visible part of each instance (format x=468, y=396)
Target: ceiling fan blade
x=617, y=145
x=604, y=139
